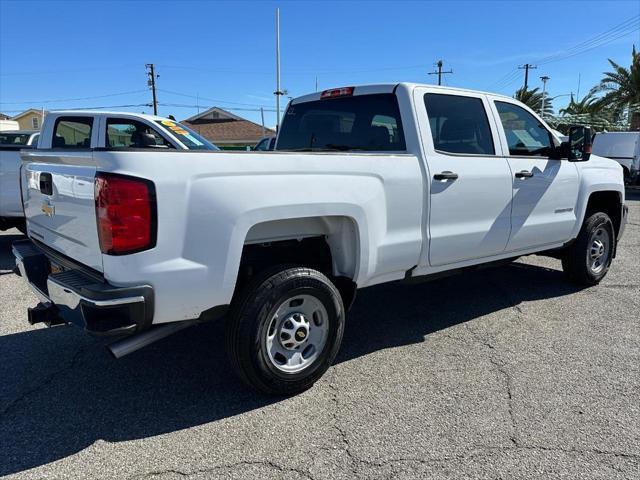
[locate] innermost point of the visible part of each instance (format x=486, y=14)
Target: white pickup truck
x=11, y=142
x=368, y=184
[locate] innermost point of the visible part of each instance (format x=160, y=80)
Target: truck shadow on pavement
x=60, y=391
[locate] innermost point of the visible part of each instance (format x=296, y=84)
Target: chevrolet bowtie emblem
x=48, y=210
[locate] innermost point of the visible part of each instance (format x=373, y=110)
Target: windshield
x=188, y=137
x=14, y=138
x=360, y=123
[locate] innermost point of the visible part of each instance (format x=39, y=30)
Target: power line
x=211, y=99
x=243, y=109
x=40, y=102
x=618, y=31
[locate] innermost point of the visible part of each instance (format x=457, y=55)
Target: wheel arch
x=331, y=244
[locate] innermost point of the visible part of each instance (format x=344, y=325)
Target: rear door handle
x=524, y=174
x=46, y=183
x=446, y=175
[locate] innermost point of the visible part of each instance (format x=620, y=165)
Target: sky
x=79, y=54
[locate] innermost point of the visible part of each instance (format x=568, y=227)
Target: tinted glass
x=355, y=123
x=72, y=132
x=14, y=138
x=187, y=137
x=459, y=124
x=123, y=133
x=262, y=145
x=525, y=134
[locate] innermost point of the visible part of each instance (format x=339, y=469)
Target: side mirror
x=579, y=143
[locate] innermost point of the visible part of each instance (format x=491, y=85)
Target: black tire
x=250, y=318
x=576, y=259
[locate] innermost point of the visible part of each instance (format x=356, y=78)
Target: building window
x=35, y=123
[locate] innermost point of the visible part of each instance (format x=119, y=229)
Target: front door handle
x=524, y=174
x=446, y=175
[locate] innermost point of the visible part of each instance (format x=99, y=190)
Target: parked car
x=265, y=144
x=368, y=185
x=11, y=141
x=8, y=125
x=125, y=131
x=624, y=148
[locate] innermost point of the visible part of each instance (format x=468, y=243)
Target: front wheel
x=587, y=260
x=285, y=330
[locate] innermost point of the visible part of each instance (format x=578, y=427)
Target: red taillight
x=125, y=209
x=337, y=92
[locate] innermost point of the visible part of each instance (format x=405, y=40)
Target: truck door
x=469, y=180
x=545, y=190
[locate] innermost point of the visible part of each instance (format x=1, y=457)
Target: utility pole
x=439, y=72
x=262, y=115
x=527, y=67
x=278, y=92
x=152, y=83
x=544, y=79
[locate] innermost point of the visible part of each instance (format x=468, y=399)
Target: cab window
x=526, y=135
x=72, y=132
x=459, y=124
x=125, y=133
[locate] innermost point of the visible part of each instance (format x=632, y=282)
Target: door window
x=459, y=124
x=72, y=132
x=525, y=134
x=125, y=133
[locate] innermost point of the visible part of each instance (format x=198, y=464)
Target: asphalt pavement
x=503, y=373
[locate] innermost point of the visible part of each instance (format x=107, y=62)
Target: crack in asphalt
x=232, y=466
x=46, y=381
x=341, y=432
x=500, y=366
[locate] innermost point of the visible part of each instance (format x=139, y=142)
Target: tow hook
x=44, y=313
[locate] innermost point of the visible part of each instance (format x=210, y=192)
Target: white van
x=623, y=147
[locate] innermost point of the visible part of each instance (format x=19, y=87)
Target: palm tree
x=588, y=111
x=623, y=89
x=586, y=106
x=533, y=100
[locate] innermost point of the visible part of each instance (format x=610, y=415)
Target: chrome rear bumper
x=81, y=298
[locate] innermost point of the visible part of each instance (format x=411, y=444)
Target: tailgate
x=59, y=205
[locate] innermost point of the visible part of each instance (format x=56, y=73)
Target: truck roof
x=106, y=112
x=389, y=88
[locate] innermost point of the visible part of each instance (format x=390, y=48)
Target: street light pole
x=544, y=93
x=278, y=92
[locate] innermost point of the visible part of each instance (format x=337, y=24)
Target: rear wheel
x=587, y=260
x=285, y=330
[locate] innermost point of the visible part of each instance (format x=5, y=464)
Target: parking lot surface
x=503, y=373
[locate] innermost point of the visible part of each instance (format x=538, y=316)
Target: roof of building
x=222, y=127
x=31, y=110
x=4, y=117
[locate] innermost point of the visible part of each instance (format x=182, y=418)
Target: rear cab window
x=129, y=133
x=72, y=132
x=459, y=124
x=349, y=123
